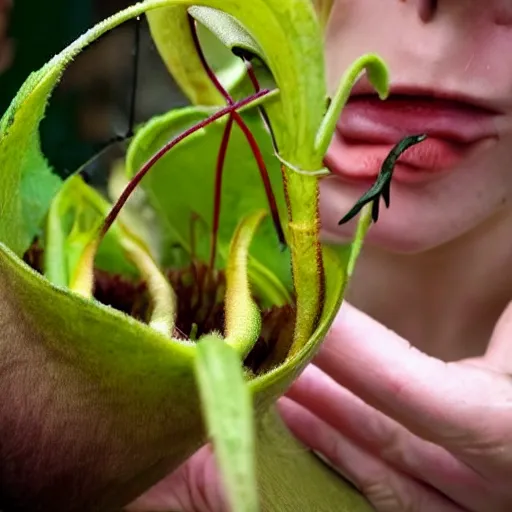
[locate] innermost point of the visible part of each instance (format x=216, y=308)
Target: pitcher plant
x=139, y=326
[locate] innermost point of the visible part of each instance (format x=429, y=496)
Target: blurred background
x=91, y=105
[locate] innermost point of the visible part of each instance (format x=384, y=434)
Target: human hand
x=410, y=431
x=5, y=44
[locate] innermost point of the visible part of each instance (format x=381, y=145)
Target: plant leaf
x=170, y=30
x=243, y=319
x=189, y=172
x=28, y=183
x=227, y=29
x=115, y=402
x=227, y=408
x=296, y=116
x=70, y=255
x=285, y=34
x=363, y=225
x=324, y=8
x=74, y=217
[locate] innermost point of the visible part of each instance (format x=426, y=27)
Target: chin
x=420, y=218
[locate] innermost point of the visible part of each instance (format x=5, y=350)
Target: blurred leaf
x=324, y=8
x=75, y=216
x=227, y=408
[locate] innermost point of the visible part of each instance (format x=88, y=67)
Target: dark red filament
x=252, y=143
x=130, y=188
x=218, y=189
x=261, y=109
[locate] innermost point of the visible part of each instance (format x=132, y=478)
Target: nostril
x=427, y=9
x=503, y=16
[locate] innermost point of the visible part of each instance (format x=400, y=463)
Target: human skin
x=410, y=396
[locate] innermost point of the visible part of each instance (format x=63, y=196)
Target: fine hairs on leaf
x=227, y=408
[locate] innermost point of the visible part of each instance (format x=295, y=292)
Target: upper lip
x=364, y=88
x=442, y=114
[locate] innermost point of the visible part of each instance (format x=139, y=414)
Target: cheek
x=425, y=216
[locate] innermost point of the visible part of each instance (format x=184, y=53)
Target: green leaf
x=228, y=68
x=378, y=76
x=75, y=215
x=188, y=171
x=116, y=401
x=27, y=182
x=287, y=37
x=243, y=319
x=227, y=407
x=227, y=29
x=323, y=8
x=363, y=226
x=285, y=34
x=171, y=33
x=71, y=250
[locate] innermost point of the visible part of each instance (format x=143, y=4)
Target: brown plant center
x=200, y=307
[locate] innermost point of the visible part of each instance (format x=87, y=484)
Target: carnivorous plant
x=122, y=352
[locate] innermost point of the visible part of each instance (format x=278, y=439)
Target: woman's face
x=451, y=77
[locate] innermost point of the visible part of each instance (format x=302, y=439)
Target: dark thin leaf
x=382, y=186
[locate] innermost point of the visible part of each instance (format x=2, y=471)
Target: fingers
x=387, y=489
x=448, y=404
x=193, y=486
x=385, y=439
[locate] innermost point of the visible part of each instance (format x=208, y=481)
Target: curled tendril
x=382, y=186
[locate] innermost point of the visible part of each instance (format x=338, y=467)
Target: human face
x=451, y=77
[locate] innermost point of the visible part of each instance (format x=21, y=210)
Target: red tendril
x=130, y=188
x=221, y=159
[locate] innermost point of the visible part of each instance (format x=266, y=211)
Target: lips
x=369, y=128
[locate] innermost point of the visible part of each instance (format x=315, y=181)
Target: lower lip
x=427, y=160
x=360, y=158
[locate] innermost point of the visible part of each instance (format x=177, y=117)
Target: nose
x=426, y=9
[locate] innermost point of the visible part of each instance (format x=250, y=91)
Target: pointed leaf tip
x=243, y=319
x=378, y=75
